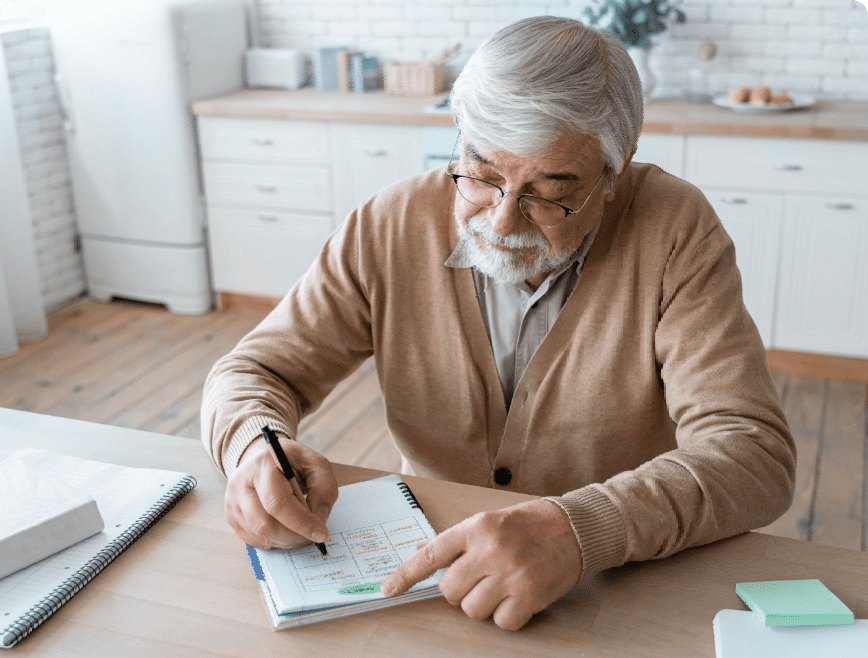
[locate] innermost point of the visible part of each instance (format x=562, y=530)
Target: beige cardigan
x=648, y=412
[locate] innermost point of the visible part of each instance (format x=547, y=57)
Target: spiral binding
x=31, y=619
x=410, y=497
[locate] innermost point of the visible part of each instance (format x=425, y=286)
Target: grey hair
x=543, y=77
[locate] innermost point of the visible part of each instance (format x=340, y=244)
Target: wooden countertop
x=827, y=119
x=307, y=104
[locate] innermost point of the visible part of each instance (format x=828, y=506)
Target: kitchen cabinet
x=753, y=221
x=268, y=190
x=666, y=151
x=275, y=190
x=823, y=297
x=367, y=158
x=797, y=211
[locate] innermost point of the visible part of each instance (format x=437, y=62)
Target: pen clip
x=271, y=439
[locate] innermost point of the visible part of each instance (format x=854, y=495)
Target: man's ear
x=611, y=193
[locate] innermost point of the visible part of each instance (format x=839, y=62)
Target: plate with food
x=761, y=100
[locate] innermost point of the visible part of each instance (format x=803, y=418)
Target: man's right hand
x=261, y=507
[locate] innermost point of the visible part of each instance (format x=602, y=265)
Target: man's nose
x=506, y=217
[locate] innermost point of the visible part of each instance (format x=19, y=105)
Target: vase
x=640, y=60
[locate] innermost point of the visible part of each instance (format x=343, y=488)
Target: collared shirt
x=517, y=318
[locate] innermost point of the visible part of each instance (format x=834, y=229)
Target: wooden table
x=186, y=588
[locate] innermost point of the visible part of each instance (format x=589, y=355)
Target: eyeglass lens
x=487, y=195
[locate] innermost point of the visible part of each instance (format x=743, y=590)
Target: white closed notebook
x=742, y=634
x=130, y=501
x=375, y=527
x=40, y=515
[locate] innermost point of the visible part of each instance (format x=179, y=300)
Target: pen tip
x=322, y=549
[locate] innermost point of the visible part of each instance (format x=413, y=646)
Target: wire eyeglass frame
x=519, y=197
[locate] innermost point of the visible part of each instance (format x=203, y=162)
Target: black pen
x=271, y=439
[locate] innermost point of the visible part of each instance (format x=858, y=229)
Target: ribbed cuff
x=247, y=433
x=598, y=525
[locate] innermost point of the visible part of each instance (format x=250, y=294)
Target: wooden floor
x=138, y=366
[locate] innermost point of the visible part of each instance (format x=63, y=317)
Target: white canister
x=279, y=68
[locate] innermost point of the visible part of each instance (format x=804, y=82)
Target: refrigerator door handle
x=63, y=102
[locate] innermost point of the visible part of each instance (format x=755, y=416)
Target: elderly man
x=546, y=317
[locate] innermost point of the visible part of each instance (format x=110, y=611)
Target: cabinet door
x=366, y=158
x=823, y=305
x=753, y=221
x=666, y=151
x=263, y=252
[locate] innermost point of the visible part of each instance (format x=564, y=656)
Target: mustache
x=526, y=239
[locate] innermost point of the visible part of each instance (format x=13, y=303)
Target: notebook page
x=374, y=529
x=122, y=495
x=293, y=619
x=741, y=634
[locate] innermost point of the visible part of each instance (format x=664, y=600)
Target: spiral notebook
x=130, y=500
x=375, y=527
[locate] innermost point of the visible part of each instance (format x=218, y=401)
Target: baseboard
x=822, y=366
x=259, y=303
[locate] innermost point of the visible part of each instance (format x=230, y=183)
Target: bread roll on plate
x=760, y=95
x=739, y=95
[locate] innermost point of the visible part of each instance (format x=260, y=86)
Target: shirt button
x=502, y=476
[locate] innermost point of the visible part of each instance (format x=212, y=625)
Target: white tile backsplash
x=45, y=162
x=759, y=41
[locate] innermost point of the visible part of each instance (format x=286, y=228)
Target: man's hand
x=510, y=563
x=260, y=505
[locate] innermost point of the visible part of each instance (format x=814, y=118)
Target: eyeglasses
x=539, y=211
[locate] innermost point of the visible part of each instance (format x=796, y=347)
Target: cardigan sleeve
x=734, y=467
x=283, y=369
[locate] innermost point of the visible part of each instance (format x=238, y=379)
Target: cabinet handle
x=739, y=200
x=840, y=206
x=376, y=153
x=263, y=141
x=267, y=188
x=268, y=218
x=786, y=166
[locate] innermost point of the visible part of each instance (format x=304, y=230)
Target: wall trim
x=823, y=366
x=260, y=303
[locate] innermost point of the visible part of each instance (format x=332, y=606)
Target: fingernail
x=319, y=536
x=323, y=512
x=386, y=589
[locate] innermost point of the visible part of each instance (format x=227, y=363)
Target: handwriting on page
x=357, y=556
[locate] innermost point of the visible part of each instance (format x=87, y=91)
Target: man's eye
x=481, y=175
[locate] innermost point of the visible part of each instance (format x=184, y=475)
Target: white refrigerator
x=127, y=73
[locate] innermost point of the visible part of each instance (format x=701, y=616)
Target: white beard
x=506, y=267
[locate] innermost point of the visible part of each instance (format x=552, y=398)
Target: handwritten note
x=374, y=529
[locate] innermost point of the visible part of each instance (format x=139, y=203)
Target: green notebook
x=794, y=603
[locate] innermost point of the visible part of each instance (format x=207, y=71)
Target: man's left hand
x=509, y=563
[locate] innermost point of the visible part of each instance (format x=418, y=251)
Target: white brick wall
x=803, y=46
x=44, y=159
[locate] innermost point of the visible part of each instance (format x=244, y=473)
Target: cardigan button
x=502, y=476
